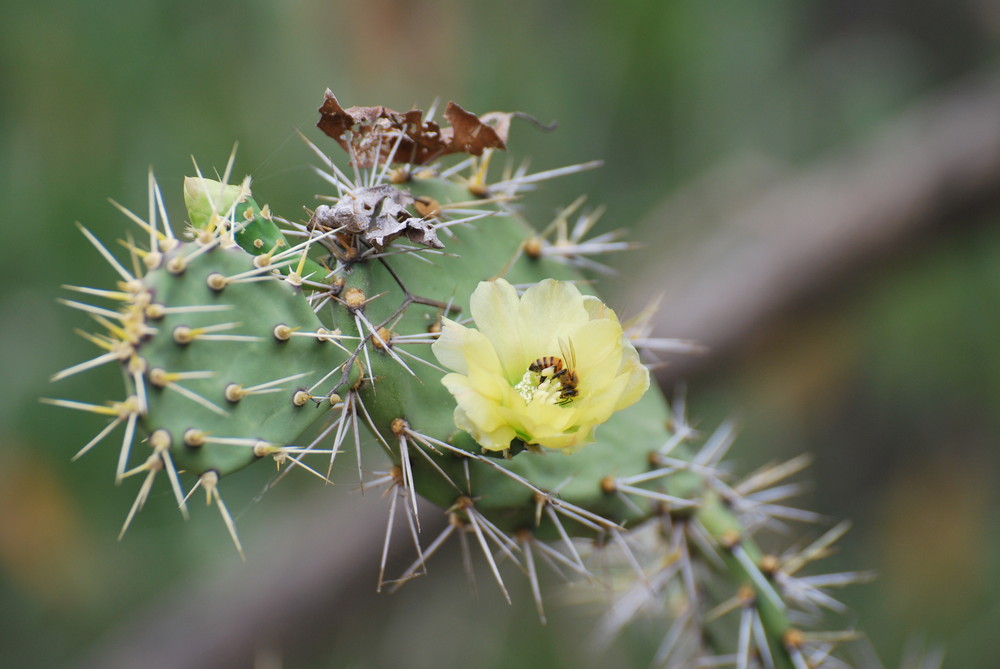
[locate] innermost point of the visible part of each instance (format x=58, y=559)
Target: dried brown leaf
x=376, y=135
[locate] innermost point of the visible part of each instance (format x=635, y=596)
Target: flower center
x=548, y=380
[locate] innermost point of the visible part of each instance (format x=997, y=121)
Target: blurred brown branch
x=317, y=566
x=809, y=233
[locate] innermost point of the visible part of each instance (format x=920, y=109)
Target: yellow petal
x=550, y=311
x=598, y=351
x=479, y=409
x=493, y=305
x=448, y=346
x=637, y=385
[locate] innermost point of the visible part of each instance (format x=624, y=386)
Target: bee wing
x=568, y=352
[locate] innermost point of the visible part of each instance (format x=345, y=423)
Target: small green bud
x=206, y=198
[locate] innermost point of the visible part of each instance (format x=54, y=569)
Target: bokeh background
x=730, y=131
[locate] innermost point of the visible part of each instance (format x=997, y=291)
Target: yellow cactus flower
x=546, y=368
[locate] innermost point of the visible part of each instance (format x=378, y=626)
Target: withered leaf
x=376, y=135
x=378, y=215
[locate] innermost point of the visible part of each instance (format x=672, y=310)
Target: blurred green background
x=888, y=373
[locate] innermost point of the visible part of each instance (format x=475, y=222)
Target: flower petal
x=597, y=348
x=448, y=346
x=549, y=312
x=493, y=304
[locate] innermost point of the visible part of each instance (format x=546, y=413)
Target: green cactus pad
x=238, y=350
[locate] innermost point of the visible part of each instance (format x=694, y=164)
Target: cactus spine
x=239, y=339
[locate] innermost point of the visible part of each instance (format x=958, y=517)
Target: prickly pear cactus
x=417, y=314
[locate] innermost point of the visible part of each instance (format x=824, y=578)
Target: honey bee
x=552, y=367
x=568, y=390
x=548, y=362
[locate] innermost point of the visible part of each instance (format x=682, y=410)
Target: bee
x=552, y=368
x=546, y=363
x=568, y=391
